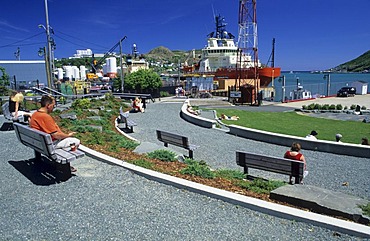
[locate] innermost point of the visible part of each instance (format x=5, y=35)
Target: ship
x=222, y=58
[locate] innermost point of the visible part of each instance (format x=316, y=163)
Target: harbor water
x=316, y=83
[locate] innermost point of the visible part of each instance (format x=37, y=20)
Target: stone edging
x=197, y=120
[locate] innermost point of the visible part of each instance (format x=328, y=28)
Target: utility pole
x=48, y=52
x=121, y=62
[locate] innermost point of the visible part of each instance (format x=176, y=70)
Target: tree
x=4, y=80
x=143, y=79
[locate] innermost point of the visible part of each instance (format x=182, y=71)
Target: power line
x=19, y=41
x=100, y=46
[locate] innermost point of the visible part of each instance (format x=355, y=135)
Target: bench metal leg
x=37, y=156
x=190, y=154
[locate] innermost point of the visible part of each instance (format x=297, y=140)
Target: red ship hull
x=266, y=74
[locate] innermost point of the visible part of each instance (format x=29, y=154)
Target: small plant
x=363, y=107
x=325, y=107
x=311, y=106
x=365, y=209
x=164, y=94
x=317, y=107
x=304, y=107
x=143, y=163
x=259, y=185
x=230, y=174
x=81, y=104
x=339, y=107
x=353, y=107
x=345, y=107
x=332, y=107
x=197, y=169
x=163, y=155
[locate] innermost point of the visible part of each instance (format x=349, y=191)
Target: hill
x=359, y=64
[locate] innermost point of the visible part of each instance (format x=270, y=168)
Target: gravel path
x=106, y=202
x=218, y=148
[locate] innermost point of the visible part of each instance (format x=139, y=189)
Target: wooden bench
x=42, y=144
x=177, y=140
x=123, y=118
x=272, y=164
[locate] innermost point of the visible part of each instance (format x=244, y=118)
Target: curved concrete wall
x=286, y=140
x=197, y=120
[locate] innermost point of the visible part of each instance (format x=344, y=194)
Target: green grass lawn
x=291, y=123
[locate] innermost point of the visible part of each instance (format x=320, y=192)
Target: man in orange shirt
x=42, y=121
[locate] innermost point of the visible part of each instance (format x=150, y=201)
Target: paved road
x=106, y=202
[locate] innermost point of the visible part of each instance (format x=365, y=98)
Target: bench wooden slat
x=177, y=140
x=268, y=163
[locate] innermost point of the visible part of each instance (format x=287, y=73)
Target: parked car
x=346, y=91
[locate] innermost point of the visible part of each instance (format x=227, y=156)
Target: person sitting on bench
x=42, y=121
x=294, y=154
x=15, y=100
x=137, y=105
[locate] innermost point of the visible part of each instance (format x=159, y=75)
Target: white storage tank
x=111, y=67
x=69, y=72
x=60, y=73
x=83, y=72
x=76, y=72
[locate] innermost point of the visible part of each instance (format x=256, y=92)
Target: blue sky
x=310, y=34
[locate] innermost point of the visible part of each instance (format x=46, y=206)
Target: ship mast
x=247, y=39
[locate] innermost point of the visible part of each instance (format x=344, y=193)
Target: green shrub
x=259, y=185
x=317, y=107
x=164, y=94
x=332, y=107
x=304, y=107
x=325, y=107
x=143, y=163
x=339, y=107
x=346, y=107
x=353, y=107
x=230, y=174
x=197, y=169
x=311, y=106
x=363, y=107
x=81, y=104
x=163, y=155
x=365, y=209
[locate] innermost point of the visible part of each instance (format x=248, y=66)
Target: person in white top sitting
x=312, y=136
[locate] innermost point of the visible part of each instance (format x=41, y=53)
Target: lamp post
x=327, y=77
x=282, y=78
x=121, y=62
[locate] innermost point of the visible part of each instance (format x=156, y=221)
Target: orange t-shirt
x=44, y=122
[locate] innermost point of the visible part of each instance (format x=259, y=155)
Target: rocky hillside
x=359, y=64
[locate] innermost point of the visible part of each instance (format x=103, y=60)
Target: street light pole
x=48, y=54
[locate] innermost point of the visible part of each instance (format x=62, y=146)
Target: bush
x=81, y=104
x=259, y=185
x=163, y=155
x=143, y=163
x=317, y=107
x=339, y=107
x=304, y=107
x=164, y=94
x=365, y=209
x=346, y=107
x=332, y=107
x=325, y=107
x=230, y=174
x=363, y=107
x=197, y=169
x=353, y=107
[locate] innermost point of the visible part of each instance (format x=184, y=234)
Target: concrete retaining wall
x=286, y=140
x=197, y=120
